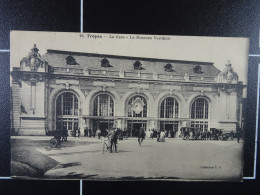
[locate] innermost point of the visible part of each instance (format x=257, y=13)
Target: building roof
x=57, y=58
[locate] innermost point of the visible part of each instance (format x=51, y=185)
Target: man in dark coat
x=153, y=130
x=113, y=140
x=86, y=132
x=141, y=135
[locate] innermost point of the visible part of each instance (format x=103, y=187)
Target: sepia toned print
x=80, y=110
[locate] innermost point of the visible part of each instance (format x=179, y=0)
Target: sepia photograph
x=127, y=107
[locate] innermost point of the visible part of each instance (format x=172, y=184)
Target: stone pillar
x=82, y=126
x=119, y=123
x=87, y=123
x=154, y=124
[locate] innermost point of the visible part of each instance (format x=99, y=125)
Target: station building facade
x=71, y=90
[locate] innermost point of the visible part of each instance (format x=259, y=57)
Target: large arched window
x=200, y=109
x=103, y=105
x=200, y=112
x=169, y=108
x=137, y=107
x=67, y=104
x=67, y=111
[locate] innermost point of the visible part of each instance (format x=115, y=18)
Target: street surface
x=173, y=159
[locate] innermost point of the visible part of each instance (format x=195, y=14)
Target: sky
x=217, y=50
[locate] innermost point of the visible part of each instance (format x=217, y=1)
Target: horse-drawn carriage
x=193, y=133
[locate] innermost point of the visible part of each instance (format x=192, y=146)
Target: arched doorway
x=169, y=114
x=67, y=112
x=103, y=112
x=200, y=114
x=137, y=113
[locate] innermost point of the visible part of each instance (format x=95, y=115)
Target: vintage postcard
x=127, y=107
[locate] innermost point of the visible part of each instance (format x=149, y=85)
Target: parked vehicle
x=227, y=136
x=216, y=133
x=220, y=134
x=191, y=133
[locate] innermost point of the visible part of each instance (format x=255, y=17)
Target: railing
x=129, y=74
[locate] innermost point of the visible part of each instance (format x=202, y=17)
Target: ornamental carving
x=105, y=63
x=197, y=69
x=137, y=105
x=186, y=77
x=138, y=65
x=70, y=60
x=228, y=74
x=168, y=68
x=226, y=89
x=33, y=60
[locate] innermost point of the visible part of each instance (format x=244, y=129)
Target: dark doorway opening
x=103, y=125
x=134, y=127
x=170, y=128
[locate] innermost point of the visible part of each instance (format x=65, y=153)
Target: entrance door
x=68, y=125
x=134, y=127
x=170, y=127
x=103, y=125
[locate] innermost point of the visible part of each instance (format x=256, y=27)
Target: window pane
x=169, y=108
x=203, y=125
x=103, y=105
x=199, y=109
x=67, y=104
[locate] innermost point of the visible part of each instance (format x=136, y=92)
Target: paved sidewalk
x=176, y=159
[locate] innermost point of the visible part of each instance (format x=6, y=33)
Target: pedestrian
x=128, y=133
x=98, y=133
x=162, y=136
x=74, y=132
x=89, y=132
x=158, y=135
x=141, y=136
x=125, y=133
x=86, y=132
x=153, y=133
x=57, y=136
x=169, y=133
x=78, y=132
x=150, y=133
x=113, y=140
x=231, y=135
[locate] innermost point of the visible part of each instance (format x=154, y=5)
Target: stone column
x=154, y=124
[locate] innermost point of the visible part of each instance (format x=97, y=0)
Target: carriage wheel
x=220, y=138
x=53, y=143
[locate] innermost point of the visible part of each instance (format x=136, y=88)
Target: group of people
x=89, y=132
x=114, y=135
x=161, y=136
x=113, y=138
